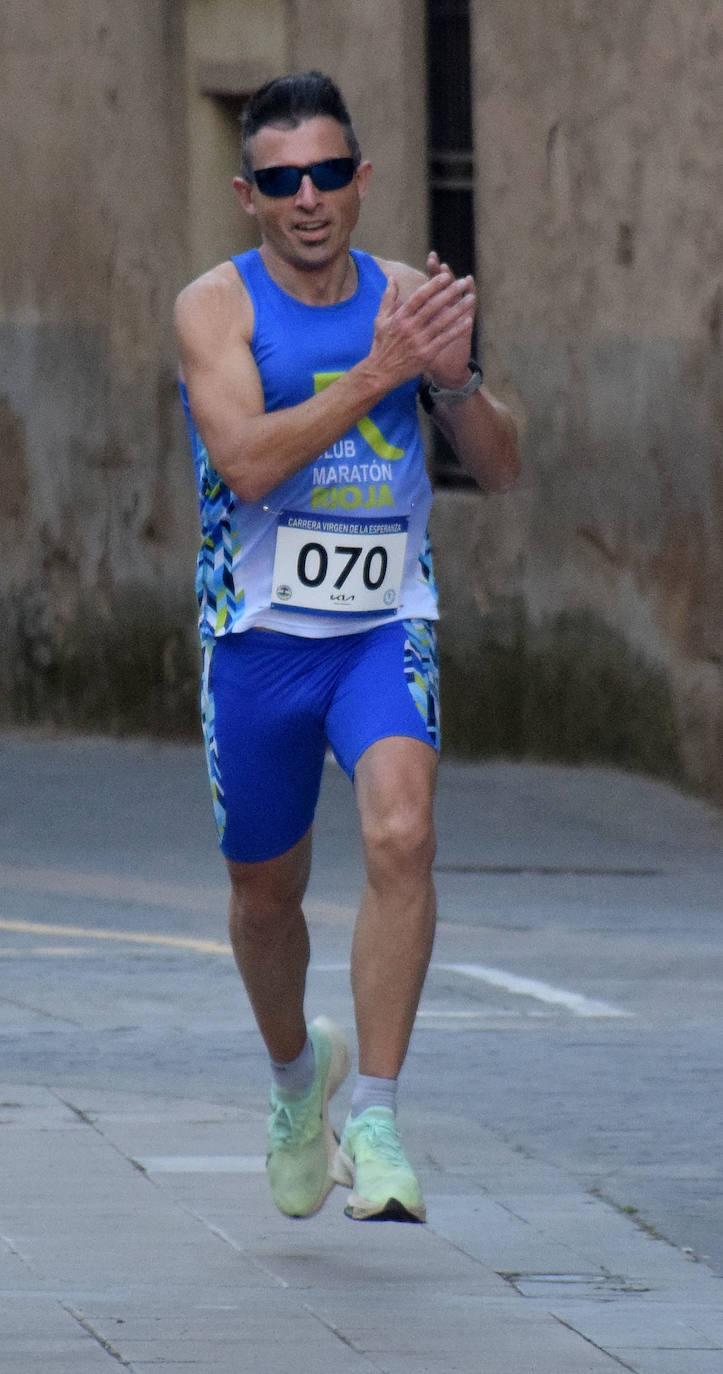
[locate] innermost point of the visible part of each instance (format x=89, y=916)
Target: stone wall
x=582, y=613
x=94, y=598
x=596, y=588
x=375, y=51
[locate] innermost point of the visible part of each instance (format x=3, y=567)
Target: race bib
x=333, y=565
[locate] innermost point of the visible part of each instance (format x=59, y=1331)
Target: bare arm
x=480, y=428
x=252, y=450
x=483, y=434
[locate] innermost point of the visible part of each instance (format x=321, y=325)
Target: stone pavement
x=136, y=1228
x=137, y=1233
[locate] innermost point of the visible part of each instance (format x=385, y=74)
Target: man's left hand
x=450, y=366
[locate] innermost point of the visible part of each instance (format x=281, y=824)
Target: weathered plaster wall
x=92, y=227
x=600, y=183
x=230, y=47
x=583, y=612
x=116, y=176
x=375, y=52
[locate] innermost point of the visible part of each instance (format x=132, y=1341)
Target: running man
x=301, y=366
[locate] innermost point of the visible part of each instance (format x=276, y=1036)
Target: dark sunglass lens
x=278, y=181
x=329, y=175
x=332, y=174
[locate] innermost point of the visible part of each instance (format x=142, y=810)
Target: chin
x=313, y=256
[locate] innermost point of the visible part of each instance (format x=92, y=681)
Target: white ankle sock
x=373, y=1092
x=295, y=1078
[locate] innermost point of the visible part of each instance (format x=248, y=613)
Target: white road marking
x=575, y=1002
x=513, y=983
x=483, y=1012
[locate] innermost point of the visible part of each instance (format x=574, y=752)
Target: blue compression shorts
x=271, y=703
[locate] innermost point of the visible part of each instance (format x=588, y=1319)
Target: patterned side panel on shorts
x=208, y=721
x=421, y=669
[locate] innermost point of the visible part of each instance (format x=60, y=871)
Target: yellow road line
x=133, y=937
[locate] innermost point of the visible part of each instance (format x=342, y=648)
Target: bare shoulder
x=217, y=301
x=407, y=278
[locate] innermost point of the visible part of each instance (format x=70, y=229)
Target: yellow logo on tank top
x=351, y=497
x=366, y=426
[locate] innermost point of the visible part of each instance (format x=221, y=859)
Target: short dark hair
x=289, y=101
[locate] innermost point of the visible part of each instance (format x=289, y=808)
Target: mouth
x=312, y=230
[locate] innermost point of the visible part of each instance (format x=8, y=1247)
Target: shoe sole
x=361, y=1209
x=393, y=1210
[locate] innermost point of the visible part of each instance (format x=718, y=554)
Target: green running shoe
x=370, y=1159
x=301, y=1143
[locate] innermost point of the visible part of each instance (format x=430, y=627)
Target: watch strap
x=429, y=394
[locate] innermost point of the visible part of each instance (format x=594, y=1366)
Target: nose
x=307, y=194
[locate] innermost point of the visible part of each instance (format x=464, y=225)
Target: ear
x=245, y=192
x=363, y=177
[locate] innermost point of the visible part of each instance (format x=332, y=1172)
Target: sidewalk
x=140, y=1235
x=136, y=1226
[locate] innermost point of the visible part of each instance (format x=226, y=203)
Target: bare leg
x=394, y=934
x=270, y=942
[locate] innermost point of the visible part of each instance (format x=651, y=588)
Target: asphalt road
x=573, y=1009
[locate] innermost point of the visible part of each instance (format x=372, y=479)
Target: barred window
x=450, y=167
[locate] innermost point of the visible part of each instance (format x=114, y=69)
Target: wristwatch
x=429, y=394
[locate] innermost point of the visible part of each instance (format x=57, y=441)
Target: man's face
x=311, y=229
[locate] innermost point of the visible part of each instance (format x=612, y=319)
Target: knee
x=400, y=838
x=261, y=911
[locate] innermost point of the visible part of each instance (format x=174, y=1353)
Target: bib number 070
x=335, y=567
x=373, y=569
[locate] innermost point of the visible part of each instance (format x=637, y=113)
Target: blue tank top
x=373, y=481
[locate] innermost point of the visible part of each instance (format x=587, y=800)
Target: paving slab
x=669, y=1361
x=136, y=1227
x=106, y=1262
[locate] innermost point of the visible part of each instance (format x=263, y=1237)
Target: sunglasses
x=329, y=175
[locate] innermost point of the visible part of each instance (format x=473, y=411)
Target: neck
x=324, y=285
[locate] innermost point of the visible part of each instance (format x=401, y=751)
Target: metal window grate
x=450, y=167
